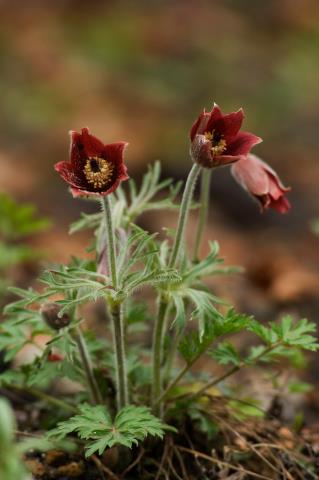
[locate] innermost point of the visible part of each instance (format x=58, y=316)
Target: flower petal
x=113, y=152
x=214, y=116
x=199, y=127
x=93, y=147
x=69, y=174
x=242, y=143
x=282, y=205
x=250, y=174
x=230, y=124
x=221, y=160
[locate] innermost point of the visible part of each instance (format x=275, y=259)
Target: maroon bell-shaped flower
x=216, y=139
x=94, y=168
x=262, y=182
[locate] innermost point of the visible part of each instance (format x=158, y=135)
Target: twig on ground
x=163, y=460
x=222, y=463
x=101, y=466
x=135, y=462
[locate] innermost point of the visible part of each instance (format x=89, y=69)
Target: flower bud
x=50, y=314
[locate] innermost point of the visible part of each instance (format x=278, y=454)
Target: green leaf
x=131, y=425
x=193, y=345
x=243, y=409
x=202, y=421
x=201, y=299
x=288, y=333
x=225, y=354
x=86, y=222
x=300, y=387
x=143, y=201
x=17, y=220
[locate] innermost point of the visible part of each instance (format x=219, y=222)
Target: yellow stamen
x=218, y=142
x=98, y=171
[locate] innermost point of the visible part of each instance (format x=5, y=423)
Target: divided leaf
x=131, y=425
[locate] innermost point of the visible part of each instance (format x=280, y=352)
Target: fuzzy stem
x=110, y=240
x=116, y=312
x=120, y=357
x=158, y=341
x=183, y=213
x=159, y=328
x=87, y=365
x=203, y=211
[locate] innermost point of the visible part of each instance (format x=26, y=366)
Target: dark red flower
x=261, y=181
x=216, y=138
x=94, y=168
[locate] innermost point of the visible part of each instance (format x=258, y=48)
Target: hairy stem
x=159, y=328
x=116, y=311
x=110, y=240
x=158, y=341
x=203, y=211
x=120, y=357
x=87, y=366
x=183, y=213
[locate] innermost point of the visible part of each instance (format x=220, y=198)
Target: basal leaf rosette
x=216, y=139
x=94, y=168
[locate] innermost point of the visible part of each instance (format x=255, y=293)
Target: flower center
x=98, y=171
x=218, y=142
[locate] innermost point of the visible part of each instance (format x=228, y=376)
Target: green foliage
x=245, y=408
x=17, y=221
x=142, y=260
x=192, y=346
x=11, y=467
x=287, y=333
x=202, y=421
x=127, y=208
x=144, y=200
x=225, y=353
x=131, y=425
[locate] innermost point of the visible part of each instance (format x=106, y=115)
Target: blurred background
x=142, y=72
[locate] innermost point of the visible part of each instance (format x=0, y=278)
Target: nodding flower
x=94, y=168
x=262, y=182
x=216, y=139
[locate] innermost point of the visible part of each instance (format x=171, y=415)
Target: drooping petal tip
x=262, y=182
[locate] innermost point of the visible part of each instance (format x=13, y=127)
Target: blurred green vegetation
x=17, y=223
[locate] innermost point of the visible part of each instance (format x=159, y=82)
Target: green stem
x=158, y=341
x=96, y=396
x=230, y=372
x=171, y=355
x=159, y=328
x=120, y=357
x=174, y=382
x=116, y=311
x=110, y=240
x=203, y=211
x=183, y=214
